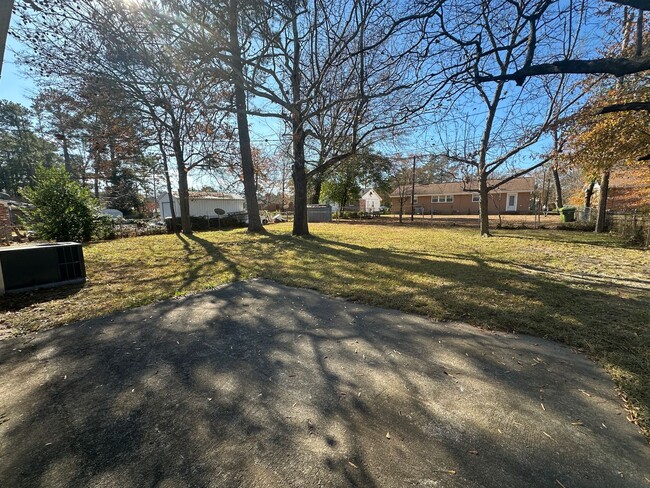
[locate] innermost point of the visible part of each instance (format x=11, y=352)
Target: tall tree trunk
x=484, y=221
x=558, y=187
x=66, y=155
x=318, y=185
x=300, y=226
x=98, y=160
x=602, y=205
x=183, y=188
x=589, y=192
x=248, y=170
x=168, y=181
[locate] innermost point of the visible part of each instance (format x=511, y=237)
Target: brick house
x=629, y=190
x=515, y=196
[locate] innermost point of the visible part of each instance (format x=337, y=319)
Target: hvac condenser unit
x=25, y=268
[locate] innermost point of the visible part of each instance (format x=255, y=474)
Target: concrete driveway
x=260, y=385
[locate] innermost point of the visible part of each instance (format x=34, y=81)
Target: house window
x=442, y=199
x=476, y=198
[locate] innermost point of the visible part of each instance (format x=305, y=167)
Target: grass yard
x=585, y=290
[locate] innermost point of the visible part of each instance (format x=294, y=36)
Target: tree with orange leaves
x=601, y=142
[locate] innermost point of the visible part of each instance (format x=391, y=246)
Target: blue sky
x=422, y=139
x=13, y=86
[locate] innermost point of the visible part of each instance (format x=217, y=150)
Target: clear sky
x=265, y=133
x=13, y=85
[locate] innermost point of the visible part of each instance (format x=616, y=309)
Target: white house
x=369, y=201
x=203, y=204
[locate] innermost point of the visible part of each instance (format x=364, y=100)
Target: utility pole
x=283, y=184
x=413, y=192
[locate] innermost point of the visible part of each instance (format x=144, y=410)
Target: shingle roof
x=522, y=184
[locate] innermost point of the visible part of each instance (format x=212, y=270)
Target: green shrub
x=105, y=228
x=63, y=210
x=350, y=215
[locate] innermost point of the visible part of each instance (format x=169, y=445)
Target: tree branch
x=625, y=107
x=612, y=66
x=520, y=173
x=640, y=4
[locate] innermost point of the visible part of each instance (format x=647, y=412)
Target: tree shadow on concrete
x=538, y=304
x=262, y=385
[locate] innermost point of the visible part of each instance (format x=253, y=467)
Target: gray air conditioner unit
x=24, y=268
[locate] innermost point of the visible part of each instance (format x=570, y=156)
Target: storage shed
x=203, y=204
x=319, y=213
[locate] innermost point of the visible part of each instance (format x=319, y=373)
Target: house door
x=511, y=205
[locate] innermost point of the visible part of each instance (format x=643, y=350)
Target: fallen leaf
x=387, y=435
x=577, y=422
x=353, y=465
x=473, y=452
x=547, y=435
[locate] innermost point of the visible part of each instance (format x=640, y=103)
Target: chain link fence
x=633, y=226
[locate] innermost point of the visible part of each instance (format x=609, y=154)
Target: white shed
x=370, y=201
x=203, y=204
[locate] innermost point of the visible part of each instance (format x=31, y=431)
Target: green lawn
x=585, y=290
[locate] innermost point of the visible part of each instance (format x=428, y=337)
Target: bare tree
x=626, y=60
x=619, y=64
x=499, y=128
x=103, y=40
x=331, y=72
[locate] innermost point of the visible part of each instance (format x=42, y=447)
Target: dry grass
x=578, y=288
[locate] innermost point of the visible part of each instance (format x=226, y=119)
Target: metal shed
x=319, y=213
x=203, y=204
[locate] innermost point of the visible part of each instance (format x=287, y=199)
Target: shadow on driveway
x=257, y=384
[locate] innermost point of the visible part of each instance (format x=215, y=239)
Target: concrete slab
x=257, y=384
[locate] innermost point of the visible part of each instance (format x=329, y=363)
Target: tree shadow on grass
x=568, y=236
x=216, y=256
x=16, y=301
x=606, y=325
